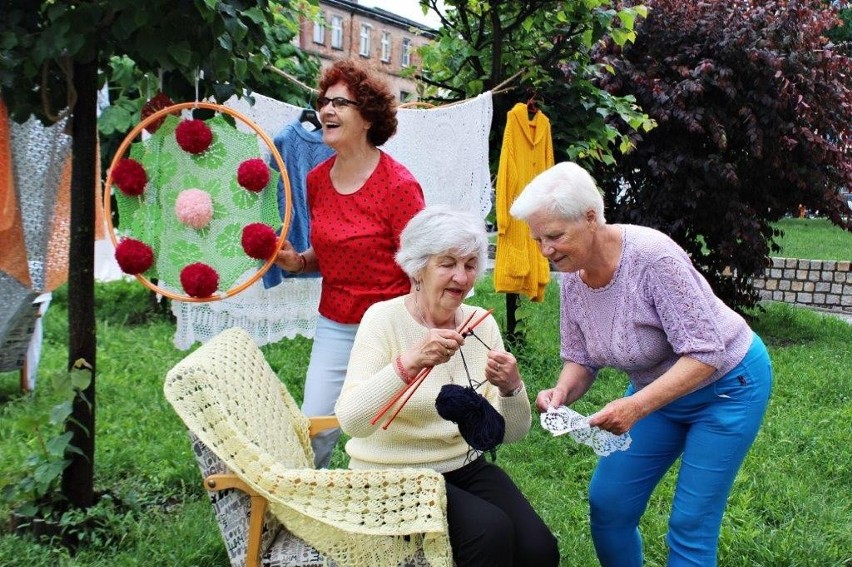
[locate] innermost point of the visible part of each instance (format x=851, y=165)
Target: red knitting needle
x=410, y=388
x=420, y=376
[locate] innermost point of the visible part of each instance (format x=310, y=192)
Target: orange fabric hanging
x=7, y=187
x=13, y=252
x=56, y=262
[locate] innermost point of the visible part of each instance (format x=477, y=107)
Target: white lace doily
x=564, y=420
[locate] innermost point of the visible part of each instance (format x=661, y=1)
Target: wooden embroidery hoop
x=285, y=224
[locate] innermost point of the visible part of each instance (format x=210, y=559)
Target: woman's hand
x=290, y=260
x=501, y=369
x=438, y=347
x=551, y=398
x=574, y=381
x=618, y=416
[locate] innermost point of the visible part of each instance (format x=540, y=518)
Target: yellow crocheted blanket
x=227, y=395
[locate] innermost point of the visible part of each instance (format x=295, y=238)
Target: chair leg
x=256, y=517
x=25, y=381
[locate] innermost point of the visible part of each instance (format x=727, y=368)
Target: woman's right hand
x=552, y=398
x=438, y=347
x=574, y=381
x=288, y=259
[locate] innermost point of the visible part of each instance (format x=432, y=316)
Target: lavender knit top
x=656, y=308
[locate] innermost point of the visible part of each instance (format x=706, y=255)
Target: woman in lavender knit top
x=700, y=378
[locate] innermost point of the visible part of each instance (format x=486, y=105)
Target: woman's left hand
x=501, y=369
x=618, y=416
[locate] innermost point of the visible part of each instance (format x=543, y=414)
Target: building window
x=404, y=96
x=337, y=32
x=365, y=40
x=386, y=46
x=319, y=32
x=406, y=52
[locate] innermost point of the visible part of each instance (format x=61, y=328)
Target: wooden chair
x=252, y=445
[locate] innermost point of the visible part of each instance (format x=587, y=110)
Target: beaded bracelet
x=406, y=377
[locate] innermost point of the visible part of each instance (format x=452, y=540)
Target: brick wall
x=826, y=284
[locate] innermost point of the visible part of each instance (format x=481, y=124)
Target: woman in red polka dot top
x=359, y=201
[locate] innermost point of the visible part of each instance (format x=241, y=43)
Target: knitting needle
x=417, y=381
x=419, y=376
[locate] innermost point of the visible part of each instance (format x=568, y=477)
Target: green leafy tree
x=753, y=108
x=842, y=33
x=544, y=49
x=51, y=53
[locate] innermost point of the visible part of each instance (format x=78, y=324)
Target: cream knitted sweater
x=418, y=437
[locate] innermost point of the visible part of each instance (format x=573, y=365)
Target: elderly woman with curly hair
x=359, y=200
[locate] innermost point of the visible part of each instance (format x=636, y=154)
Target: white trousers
x=326, y=372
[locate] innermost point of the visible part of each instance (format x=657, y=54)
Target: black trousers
x=492, y=524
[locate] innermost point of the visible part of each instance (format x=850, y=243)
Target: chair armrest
x=321, y=423
x=257, y=512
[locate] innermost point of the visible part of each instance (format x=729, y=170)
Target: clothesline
x=497, y=89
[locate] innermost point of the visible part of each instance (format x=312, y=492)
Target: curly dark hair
x=377, y=104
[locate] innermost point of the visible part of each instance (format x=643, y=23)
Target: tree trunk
x=78, y=478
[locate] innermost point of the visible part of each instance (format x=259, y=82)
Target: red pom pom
x=159, y=102
x=194, y=136
x=134, y=256
x=199, y=280
x=130, y=177
x=253, y=174
x=259, y=240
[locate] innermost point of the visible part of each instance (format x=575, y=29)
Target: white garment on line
x=445, y=148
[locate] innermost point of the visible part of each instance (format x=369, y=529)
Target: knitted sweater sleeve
x=684, y=310
x=371, y=378
x=506, y=178
x=573, y=343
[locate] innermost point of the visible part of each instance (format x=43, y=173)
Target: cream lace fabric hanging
x=446, y=148
x=564, y=420
x=40, y=156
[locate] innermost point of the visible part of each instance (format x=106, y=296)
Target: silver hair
x=441, y=229
x=566, y=190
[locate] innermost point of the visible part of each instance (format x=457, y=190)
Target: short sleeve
x=573, y=343
x=675, y=289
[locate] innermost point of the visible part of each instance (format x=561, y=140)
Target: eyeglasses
x=337, y=102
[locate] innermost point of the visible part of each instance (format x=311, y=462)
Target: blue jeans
x=712, y=429
x=326, y=372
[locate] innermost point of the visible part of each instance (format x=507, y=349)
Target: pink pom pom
x=259, y=240
x=194, y=208
x=134, y=256
x=253, y=174
x=199, y=280
x=130, y=177
x=194, y=136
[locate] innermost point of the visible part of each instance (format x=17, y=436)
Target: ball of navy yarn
x=454, y=402
x=479, y=423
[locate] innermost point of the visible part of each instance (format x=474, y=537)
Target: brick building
x=388, y=41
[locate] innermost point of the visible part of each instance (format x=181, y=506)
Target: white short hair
x=437, y=230
x=566, y=189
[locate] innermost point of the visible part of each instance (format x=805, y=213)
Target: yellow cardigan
x=527, y=150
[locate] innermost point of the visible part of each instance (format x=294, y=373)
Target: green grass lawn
x=813, y=239
x=791, y=504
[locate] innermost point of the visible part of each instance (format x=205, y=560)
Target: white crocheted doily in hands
x=563, y=419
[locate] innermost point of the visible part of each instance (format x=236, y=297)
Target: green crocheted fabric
x=151, y=217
